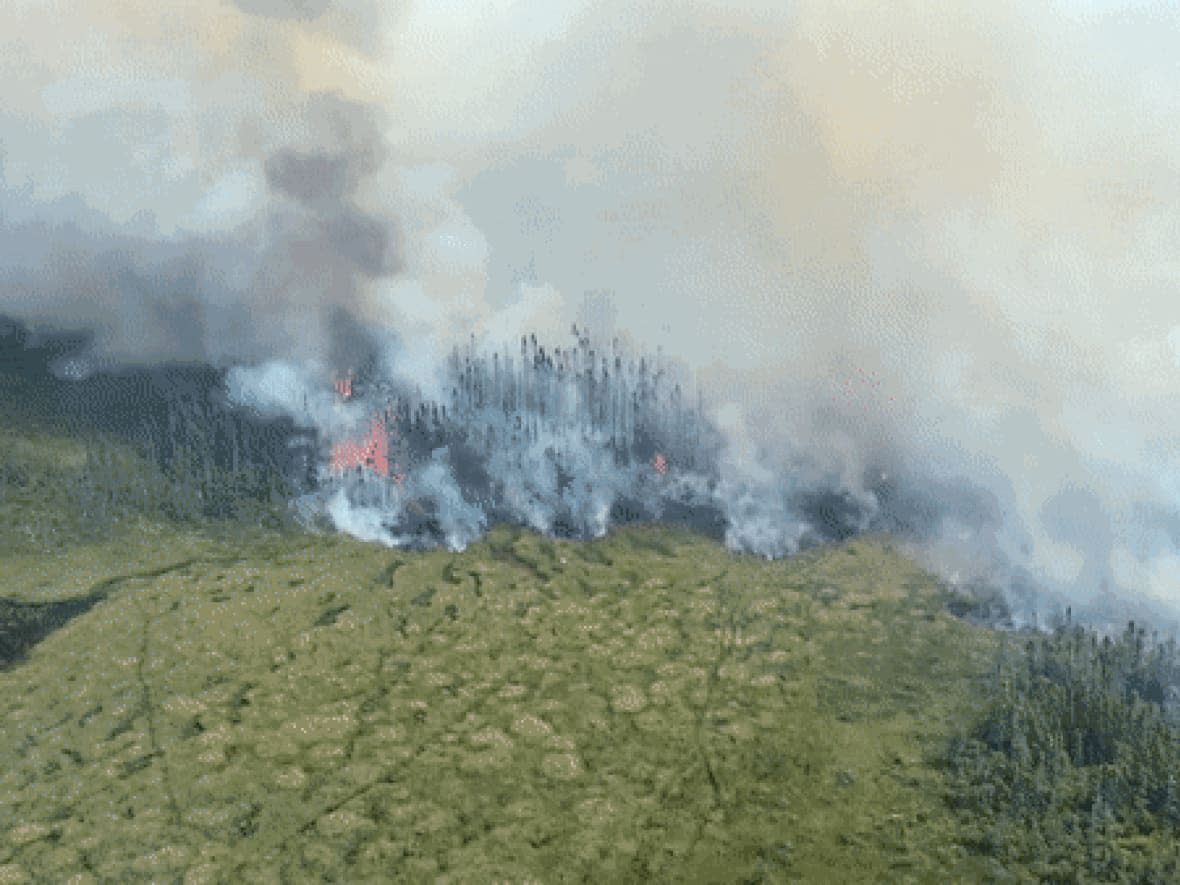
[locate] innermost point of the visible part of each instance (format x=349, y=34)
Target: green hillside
x=248, y=705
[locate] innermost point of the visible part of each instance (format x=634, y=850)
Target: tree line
x=1070, y=765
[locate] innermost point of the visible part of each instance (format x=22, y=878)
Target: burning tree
x=563, y=439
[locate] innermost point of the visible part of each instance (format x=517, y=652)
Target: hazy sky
x=948, y=231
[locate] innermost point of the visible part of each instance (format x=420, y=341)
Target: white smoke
x=279, y=389
x=931, y=244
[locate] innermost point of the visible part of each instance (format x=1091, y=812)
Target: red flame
x=661, y=465
x=343, y=385
x=371, y=451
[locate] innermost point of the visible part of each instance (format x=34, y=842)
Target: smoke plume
x=920, y=261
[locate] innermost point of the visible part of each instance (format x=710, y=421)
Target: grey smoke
x=181, y=208
x=295, y=9
x=921, y=260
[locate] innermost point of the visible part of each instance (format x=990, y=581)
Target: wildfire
x=371, y=451
x=501, y=401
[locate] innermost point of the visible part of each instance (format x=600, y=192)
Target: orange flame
x=371, y=451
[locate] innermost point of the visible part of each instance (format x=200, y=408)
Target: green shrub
x=1074, y=757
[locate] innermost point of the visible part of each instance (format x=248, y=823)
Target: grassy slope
x=643, y=708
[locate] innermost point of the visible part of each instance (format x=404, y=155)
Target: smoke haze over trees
x=921, y=263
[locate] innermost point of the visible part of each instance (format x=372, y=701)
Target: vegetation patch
x=1070, y=767
x=195, y=697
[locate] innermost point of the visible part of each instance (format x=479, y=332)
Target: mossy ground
x=255, y=706
x=647, y=707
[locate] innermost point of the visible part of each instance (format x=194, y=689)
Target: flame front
x=370, y=452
